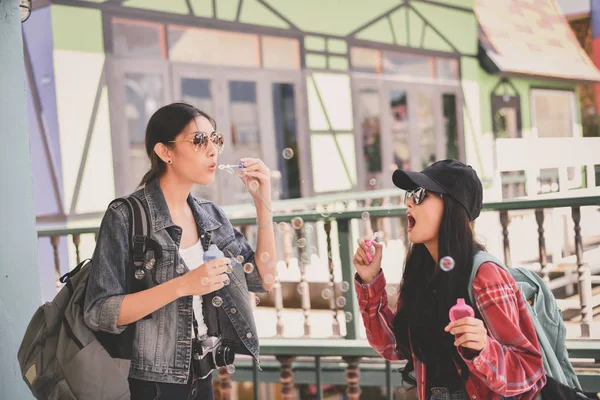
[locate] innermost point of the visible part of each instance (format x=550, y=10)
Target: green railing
x=334, y=234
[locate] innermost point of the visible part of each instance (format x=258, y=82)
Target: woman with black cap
x=466, y=358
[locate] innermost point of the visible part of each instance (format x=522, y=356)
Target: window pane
x=407, y=64
x=284, y=114
x=366, y=60
x=400, y=137
x=576, y=178
x=446, y=68
x=333, y=162
x=198, y=93
x=334, y=92
x=426, y=129
x=451, y=126
x=597, y=174
x=506, y=124
x=553, y=113
x=547, y=181
x=144, y=93
x=137, y=39
x=213, y=47
x=513, y=184
x=370, y=115
x=280, y=53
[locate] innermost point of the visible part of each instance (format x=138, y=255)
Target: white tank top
x=194, y=257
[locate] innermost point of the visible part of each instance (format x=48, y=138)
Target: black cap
x=450, y=177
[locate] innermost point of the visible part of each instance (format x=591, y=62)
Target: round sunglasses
x=200, y=139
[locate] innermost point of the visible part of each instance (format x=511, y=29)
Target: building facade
x=333, y=95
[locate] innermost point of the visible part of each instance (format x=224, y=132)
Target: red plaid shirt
x=510, y=364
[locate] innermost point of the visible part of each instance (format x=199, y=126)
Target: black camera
x=209, y=354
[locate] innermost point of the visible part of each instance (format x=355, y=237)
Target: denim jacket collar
x=160, y=216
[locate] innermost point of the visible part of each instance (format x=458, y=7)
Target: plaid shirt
x=510, y=364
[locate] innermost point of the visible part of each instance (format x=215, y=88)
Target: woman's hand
x=367, y=260
x=207, y=278
x=469, y=333
x=256, y=176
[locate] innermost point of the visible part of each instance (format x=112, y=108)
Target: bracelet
x=270, y=223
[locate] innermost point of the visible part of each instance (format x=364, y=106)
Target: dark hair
x=424, y=311
x=164, y=125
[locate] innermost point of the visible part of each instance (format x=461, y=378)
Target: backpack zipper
x=71, y=334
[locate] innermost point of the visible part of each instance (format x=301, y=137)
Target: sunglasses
x=201, y=140
x=418, y=195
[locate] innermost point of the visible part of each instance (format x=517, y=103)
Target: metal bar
x=504, y=222
x=539, y=217
x=345, y=238
x=388, y=380
x=335, y=324
x=255, y=379
x=319, y=377
x=583, y=274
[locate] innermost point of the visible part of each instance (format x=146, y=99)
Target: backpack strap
x=481, y=257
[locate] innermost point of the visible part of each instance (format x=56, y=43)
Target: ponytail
x=157, y=167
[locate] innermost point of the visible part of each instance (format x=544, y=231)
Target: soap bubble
x=344, y=286
x=300, y=287
x=373, y=182
x=391, y=290
x=231, y=369
x=282, y=226
x=297, y=222
x=288, y=153
x=205, y=281
x=256, y=300
x=264, y=257
x=340, y=301
x=217, y=301
x=139, y=274
x=447, y=263
x=269, y=279
x=304, y=258
x=348, y=316
x=276, y=174
x=254, y=184
x=226, y=282
x=240, y=259
x=248, y=268
x=314, y=250
x=365, y=215
x=326, y=294
x=302, y=243
x=229, y=269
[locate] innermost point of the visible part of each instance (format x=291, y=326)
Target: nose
x=409, y=201
x=211, y=149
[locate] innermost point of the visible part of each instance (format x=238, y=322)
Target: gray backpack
x=60, y=357
x=549, y=327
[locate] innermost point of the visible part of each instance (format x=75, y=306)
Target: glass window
x=446, y=68
x=513, y=184
x=333, y=162
x=548, y=181
x=144, y=94
x=506, y=124
x=408, y=64
x=451, y=126
x=553, y=112
x=576, y=178
x=426, y=128
x=400, y=134
x=365, y=60
x=198, y=93
x=133, y=38
x=213, y=47
x=284, y=114
x=597, y=174
x=370, y=115
x=329, y=99
x=244, y=114
x=280, y=53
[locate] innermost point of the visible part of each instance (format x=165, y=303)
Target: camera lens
x=224, y=356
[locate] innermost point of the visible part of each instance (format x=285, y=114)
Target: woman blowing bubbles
x=190, y=300
x=494, y=357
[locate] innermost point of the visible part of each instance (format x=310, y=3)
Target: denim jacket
x=162, y=345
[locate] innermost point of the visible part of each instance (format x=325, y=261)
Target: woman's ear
x=163, y=152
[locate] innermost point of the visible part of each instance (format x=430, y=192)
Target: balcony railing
x=313, y=304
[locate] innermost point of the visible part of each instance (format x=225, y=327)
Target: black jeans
x=195, y=389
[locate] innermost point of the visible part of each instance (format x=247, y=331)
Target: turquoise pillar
x=19, y=273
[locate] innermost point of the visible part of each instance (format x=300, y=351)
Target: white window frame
x=534, y=92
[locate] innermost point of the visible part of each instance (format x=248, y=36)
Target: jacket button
x=180, y=269
x=249, y=335
x=233, y=310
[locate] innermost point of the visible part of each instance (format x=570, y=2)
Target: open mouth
x=411, y=221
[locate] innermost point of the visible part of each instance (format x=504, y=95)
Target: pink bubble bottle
x=461, y=310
